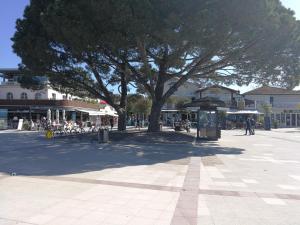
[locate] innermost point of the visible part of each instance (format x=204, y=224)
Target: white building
x=285, y=104
x=233, y=100
x=187, y=90
x=10, y=88
x=229, y=96
x=18, y=102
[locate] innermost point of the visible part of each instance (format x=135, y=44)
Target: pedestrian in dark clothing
x=111, y=121
x=248, y=126
x=138, y=125
x=253, y=123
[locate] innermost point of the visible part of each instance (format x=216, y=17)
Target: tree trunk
x=123, y=102
x=122, y=120
x=154, y=119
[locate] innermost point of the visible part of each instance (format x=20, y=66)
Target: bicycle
x=92, y=129
x=63, y=130
x=77, y=130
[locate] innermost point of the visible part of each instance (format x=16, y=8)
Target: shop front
x=51, y=110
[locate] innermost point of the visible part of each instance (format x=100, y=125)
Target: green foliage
x=26, y=125
x=241, y=104
x=177, y=102
x=275, y=124
x=180, y=102
x=59, y=39
x=31, y=82
x=260, y=120
x=172, y=100
x=222, y=115
x=143, y=106
x=267, y=108
x=138, y=104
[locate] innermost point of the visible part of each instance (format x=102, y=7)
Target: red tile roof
x=265, y=90
x=217, y=86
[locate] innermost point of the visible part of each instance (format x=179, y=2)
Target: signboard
x=49, y=134
x=20, y=124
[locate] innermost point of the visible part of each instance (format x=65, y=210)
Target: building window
x=38, y=96
x=53, y=96
x=24, y=96
x=9, y=96
x=272, y=100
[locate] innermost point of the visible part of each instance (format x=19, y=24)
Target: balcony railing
x=48, y=103
x=9, y=83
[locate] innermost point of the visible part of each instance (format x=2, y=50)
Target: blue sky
x=10, y=10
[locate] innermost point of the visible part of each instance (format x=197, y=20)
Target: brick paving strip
x=187, y=205
x=169, y=188
x=112, y=183
x=248, y=194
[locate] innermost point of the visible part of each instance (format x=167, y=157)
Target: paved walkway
x=239, y=180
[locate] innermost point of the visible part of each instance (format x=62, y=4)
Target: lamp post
x=57, y=115
x=64, y=115
x=198, y=123
x=49, y=115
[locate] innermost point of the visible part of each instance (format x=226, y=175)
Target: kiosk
x=207, y=117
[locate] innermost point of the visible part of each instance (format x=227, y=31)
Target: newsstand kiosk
x=207, y=117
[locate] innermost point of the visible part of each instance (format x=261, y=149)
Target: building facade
x=33, y=105
x=284, y=104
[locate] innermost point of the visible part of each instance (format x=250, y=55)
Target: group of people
x=250, y=126
x=182, y=125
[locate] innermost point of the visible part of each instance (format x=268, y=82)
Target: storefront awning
x=91, y=112
x=98, y=113
x=244, y=112
x=111, y=113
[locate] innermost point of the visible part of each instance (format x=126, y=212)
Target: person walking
x=138, y=125
x=111, y=121
x=188, y=126
x=253, y=123
x=248, y=126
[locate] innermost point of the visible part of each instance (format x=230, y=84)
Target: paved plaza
x=151, y=180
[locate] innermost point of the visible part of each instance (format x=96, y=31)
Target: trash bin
x=103, y=135
x=267, y=124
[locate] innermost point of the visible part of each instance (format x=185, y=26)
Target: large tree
x=59, y=39
x=157, y=41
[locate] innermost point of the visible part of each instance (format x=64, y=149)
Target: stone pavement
x=239, y=180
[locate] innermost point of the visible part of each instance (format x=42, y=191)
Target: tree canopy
x=138, y=104
x=93, y=43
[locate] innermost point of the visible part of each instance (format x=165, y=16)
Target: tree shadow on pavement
x=31, y=155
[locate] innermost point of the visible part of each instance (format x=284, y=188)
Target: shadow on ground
x=293, y=132
x=30, y=154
